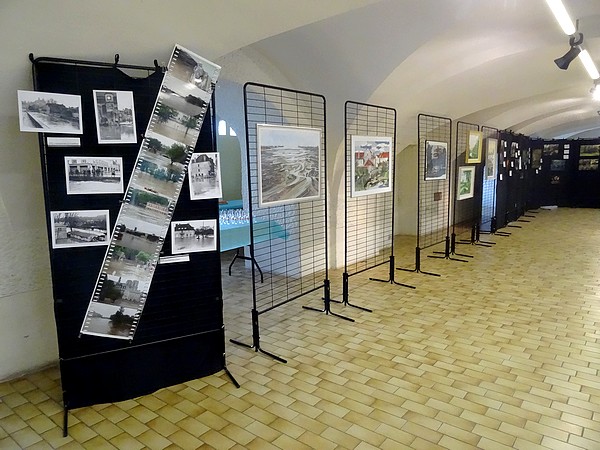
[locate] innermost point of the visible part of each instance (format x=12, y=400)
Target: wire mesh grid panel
x=369, y=195
x=434, y=156
x=285, y=132
x=468, y=177
x=490, y=173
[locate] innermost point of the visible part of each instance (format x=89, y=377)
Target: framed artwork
x=204, y=176
x=474, y=145
x=190, y=236
x=491, y=158
x=588, y=164
x=558, y=165
x=47, y=112
x=466, y=182
x=115, y=117
x=589, y=151
x=93, y=175
x=371, y=162
x=551, y=149
x=289, y=164
x=436, y=160
x=536, y=158
x=79, y=228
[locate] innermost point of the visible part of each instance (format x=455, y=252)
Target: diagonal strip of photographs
x=124, y=280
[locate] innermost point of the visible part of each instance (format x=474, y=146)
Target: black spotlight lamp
x=574, y=42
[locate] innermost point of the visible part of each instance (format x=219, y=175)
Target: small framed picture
x=436, y=160
x=473, y=153
x=204, y=176
x=466, y=182
x=491, y=158
x=189, y=236
x=79, y=228
x=371, y=163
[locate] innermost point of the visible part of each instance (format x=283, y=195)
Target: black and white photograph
x=183, y=96
x=109, y=320
x=289, y=169
x=436, y=160
x=79, y=228
x=115, y=117
x=140, y=228
x=125, y=288
x=98, y=175
x=191, y=68
x=536, y=158
x=551, y=149
x=491, y=158
x=146, y=206
x=204, y=175
x=189, y=236
x=47, y=112
x=371, y=163
x=175, y=124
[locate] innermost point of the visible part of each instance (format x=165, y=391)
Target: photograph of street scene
x=371, y=164
x=191, y=68
x=79, y=228
x=289, y=161
x=204, y=175
x=146, y=206
x=175, y=124
x=109, y=320
x=193, y=236
x=115, y=117
x=94, y=175
x=46, y=112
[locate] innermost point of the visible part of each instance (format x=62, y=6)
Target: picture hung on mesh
x=474, y=147
x=466, y=182
x=371, y=162
x=436, y=160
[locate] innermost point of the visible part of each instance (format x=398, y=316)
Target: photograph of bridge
x=289, y=164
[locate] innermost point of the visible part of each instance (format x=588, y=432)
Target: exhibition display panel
x=91, y=167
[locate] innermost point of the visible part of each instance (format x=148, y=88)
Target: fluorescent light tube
x=562, y=16
x=589, y=65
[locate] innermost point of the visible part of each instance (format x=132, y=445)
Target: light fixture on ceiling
x=595, y=91
x=589, y=65
x=562, y=16
x=574, y=50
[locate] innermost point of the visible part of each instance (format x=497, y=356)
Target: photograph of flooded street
x=115, y=117
x=288, y=164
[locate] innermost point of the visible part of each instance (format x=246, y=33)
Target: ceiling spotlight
x=574, y=42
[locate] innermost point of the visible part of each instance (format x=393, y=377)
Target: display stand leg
x=327, y=303
x=231, y=377
x=478, y=237
x=391, y=277
x=417, y=268
x=256, y=339
x=65, y=421
x=345, y=295
x=245, y=258
x=453, y=250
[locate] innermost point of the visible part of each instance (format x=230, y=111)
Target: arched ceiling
x=482, y=61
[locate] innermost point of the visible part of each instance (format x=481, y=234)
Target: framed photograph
x=588, y=164
x=47, y=112
x=79, y=228
x=491, y=158
x=289, y=164
x=536, y=158
x=589, y=151
x=115, y=117
x=474, y=145
x=466, y=182
x=551, y=149
x=371, y=162
x=189, y=236
x=558, y=165
x=93, y=175
x=204, y=175
x=436, y=160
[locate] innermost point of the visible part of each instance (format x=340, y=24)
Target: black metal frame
x=273, y=105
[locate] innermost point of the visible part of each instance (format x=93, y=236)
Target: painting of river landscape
x=288, y=164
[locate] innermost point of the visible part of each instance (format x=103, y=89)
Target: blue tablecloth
x=236, y=235
x=232, y=204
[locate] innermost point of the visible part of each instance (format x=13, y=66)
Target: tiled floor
x=501, y=352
